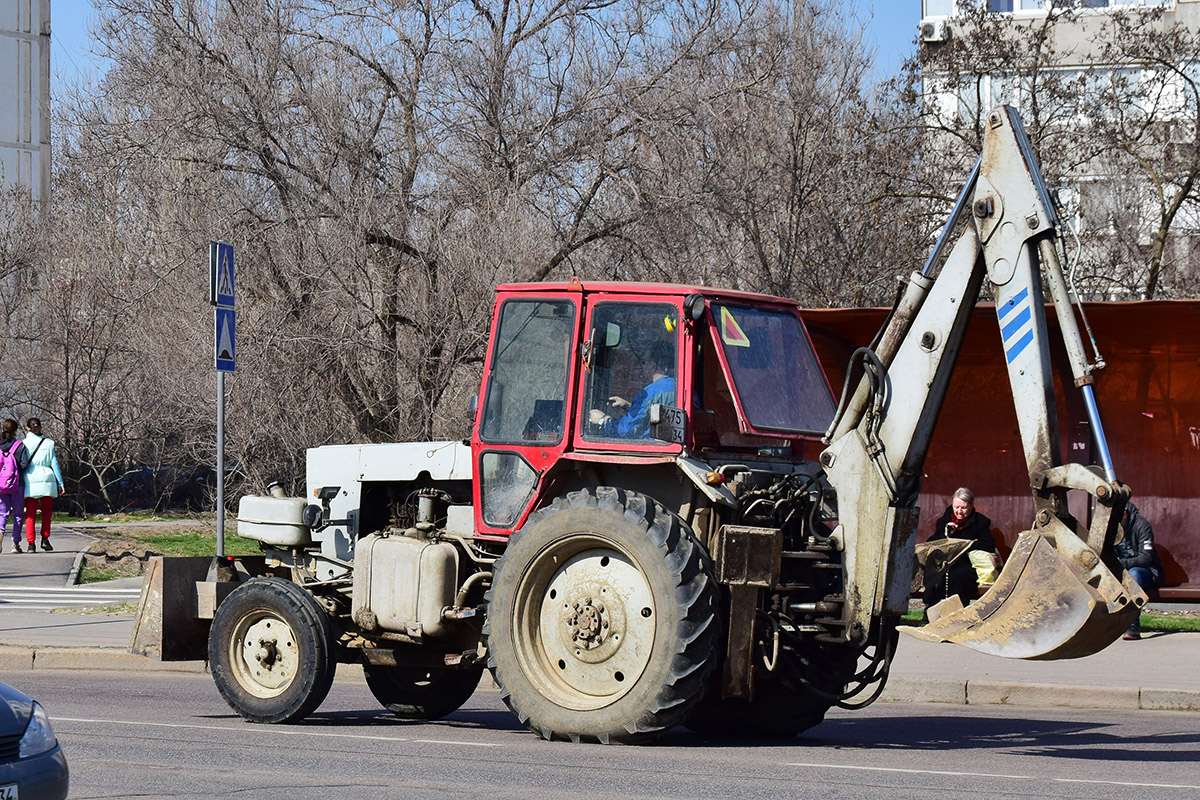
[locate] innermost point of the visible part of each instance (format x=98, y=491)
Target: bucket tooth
x=1054, y=599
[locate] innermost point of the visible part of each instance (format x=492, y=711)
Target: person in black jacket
x=1137, y=554
x=960, y=521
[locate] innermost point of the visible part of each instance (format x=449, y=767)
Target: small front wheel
x=421, y=692
x=272, y=651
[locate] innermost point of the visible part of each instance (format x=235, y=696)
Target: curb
x=73, y=575
x=1039, y=695
x=96, y=658
x=899, y=690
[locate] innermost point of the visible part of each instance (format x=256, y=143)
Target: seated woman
x=960, y=521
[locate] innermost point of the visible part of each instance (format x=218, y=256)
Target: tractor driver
x=635, y=422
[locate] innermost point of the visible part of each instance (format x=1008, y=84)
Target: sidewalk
x=1156, y=673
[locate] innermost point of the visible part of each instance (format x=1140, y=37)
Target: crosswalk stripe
x=63, y=590
x=12, y=605
x=35, y=597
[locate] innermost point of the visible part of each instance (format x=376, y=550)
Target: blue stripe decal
x=1020, y=346
x=1011, y=328
x=1008, y=307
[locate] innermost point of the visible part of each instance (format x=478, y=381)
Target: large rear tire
x=601, y=619
x=421, y=692
x=272, y=651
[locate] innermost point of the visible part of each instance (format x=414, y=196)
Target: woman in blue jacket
x=43, y=481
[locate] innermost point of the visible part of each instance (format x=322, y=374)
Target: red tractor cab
x=619, y=384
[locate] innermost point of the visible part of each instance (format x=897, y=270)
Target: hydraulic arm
x=1062, y=594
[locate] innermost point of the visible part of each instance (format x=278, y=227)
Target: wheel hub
x=267, y=652
x=588, y=623
x=593, y=629
x=269, y=656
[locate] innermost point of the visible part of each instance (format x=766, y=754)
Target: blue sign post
x=220, y=294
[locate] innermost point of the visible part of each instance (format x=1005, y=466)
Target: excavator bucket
x=1054, y=599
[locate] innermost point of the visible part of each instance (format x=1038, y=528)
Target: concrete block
x=921, y=690
x=1170, y=699
x=1042, y=695
x=167, y=626
x=13, y=659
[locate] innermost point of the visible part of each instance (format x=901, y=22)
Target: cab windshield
x=775, y=372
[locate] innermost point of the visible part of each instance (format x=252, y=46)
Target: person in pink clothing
x=43, y=481
x=14, y=460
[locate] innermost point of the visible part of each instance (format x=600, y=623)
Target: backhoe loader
x=663, y=517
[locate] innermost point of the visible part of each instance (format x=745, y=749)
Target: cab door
x=522, y=427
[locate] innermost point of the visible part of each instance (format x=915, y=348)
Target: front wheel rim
x=584, y=622
x=264, y=654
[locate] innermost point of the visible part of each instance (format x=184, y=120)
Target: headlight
x=39, y=736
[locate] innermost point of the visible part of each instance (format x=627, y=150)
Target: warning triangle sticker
x=731, y=333
x=225, y=340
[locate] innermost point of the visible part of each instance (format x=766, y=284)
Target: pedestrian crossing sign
x=224, y=348
x=220, y=274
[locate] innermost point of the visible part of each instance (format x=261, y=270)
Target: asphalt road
x=170, y=735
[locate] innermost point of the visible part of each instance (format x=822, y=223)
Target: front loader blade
x=1054, y=599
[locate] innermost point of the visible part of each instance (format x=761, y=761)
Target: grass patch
x=1170, y=623
x=145, y=515
x=90, y=573
x=193, y=543
x=111, y=608
x=123, y=551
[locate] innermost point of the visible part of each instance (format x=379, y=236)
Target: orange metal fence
x=1149, y=398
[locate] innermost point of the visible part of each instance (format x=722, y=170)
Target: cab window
x=775, y=372
x=527, y=385
x=632, y=359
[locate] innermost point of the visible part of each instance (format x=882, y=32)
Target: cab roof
x=649, y=289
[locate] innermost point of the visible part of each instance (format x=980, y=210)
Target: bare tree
x=1110, y=103
x=380, y=168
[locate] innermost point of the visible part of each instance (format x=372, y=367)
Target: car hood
x=15, y=708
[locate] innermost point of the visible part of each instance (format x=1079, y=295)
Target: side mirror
x=599, y=342
x=612, y=334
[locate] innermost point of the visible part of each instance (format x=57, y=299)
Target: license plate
x=8, y=791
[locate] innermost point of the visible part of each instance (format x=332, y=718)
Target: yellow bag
x=985, y=569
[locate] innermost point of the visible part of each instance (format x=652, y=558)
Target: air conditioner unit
x=935, y=31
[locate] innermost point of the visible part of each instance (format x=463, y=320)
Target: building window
x=947, y=8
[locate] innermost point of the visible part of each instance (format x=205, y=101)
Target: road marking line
x=994, y=775
x=282, y=731
x=1127, y=783
x=913, y=771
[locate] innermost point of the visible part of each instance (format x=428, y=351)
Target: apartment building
x=1121, y=125
x=25, y=97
